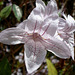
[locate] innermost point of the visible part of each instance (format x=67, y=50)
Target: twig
x=17, y=50
x=24, y=70
x=63, y=6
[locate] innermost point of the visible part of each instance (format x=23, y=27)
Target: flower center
x=35, y=35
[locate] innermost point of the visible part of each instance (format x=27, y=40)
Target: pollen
x=59, y=34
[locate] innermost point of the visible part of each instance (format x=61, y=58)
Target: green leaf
x=51, y=69
x=0, y=19
x=17, y=12
x=5, y=12
x=1, y=3
x=5, y=67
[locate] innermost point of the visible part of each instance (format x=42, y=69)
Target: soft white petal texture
x=70, y=44
x=40, y=3
x=27, y=25
x=50, y=25
x=22, y=24
x=59, y=48
x=34, y=55
x=38, y=18
x=32, y=26
x=35, y=18
x=69, y=41
x=64, y=35
x=61, y=24
x=37, y=15
x=51, y=7
x=65, y=28
x=65, y=31
x=37, y=12
x=70, y=24
x=70, y=19
x=57, y=36
x=12, y=36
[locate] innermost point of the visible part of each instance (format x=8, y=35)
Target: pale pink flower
x=37, y=34
x=65, y=31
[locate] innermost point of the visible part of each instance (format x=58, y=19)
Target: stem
x=63, y=6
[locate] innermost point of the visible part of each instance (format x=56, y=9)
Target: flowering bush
x=42, y=32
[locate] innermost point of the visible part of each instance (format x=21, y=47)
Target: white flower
x=20, y=58
x=37, y=34
x=65, y=30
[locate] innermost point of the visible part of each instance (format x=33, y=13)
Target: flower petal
x=59, y=48
x=37, y=15
x=22, y=24
x=12, y=36
x=70, y=24
x=27, y=25
x=57, y=36
x=61, y=24
x=50, y=25
x=68, y=39
x=51, y=7
x=70, y=43
x=35, y=18
x=37, y=12
x=34, y=55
